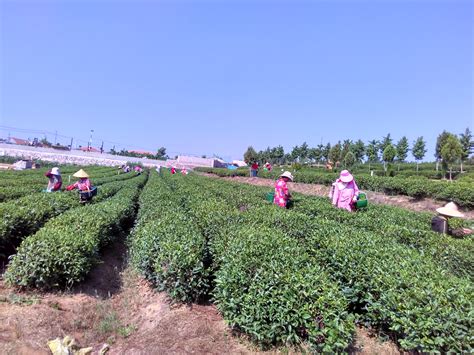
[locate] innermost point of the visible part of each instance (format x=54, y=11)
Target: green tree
x=359, y=150
x=266, y=155
x=44, y=141
x=346, y=147
x=335, y=154
x=372, y=152
x=320, y=154
x=314, y=154
x=295, y=153
x=303, y=152
x=451, y=152
x=389, y=155
x=385, y=142
x=466, y=142
x=161, y=153
x=440, y=141
x=279, y=154
x=418, y=150
x=326, y=151
x=250, y=156
x=349, y=159
x=402, y=150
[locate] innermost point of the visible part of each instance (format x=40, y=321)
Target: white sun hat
x=450, y=210
x=55, y=171
x=288, y=175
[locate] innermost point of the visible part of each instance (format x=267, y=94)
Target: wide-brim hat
x=288, y=175
x=346, y=176
x=450, y=209
x=55, y=171
x=81, y=174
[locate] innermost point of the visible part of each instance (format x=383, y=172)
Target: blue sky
x=207, y=77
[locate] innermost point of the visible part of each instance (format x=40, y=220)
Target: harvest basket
x=87, y=195
x=361, y=200
x=269, y=196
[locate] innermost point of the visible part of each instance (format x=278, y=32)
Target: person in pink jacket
x=344, y=191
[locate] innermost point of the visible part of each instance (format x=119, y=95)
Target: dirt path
x=117, y=307
x=113, y=306
x=419, y=205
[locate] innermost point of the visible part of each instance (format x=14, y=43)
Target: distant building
x=89, y=149
x=141, y=152
x=193, y=162
x=18, y=141
x=239, y=163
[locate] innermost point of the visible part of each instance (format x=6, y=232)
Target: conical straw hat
x=450, y=210
x=81, y=174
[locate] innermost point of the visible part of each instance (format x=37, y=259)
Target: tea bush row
x=458, y=191
x=390, y=286
x=65, y=249
x=27, y=214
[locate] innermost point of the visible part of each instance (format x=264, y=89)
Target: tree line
x=450, y=149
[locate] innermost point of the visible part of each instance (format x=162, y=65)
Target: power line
x=84, y=142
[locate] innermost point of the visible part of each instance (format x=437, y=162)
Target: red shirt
x=83, y=185
x=255, y=166
x=55, y=181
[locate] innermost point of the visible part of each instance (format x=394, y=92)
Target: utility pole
x=55, y=137
x=102, y=148
x=89, y=146
x=70, y=147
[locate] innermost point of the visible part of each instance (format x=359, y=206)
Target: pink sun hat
x=346, y=176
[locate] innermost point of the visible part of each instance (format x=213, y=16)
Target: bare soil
x=117, y=307
x=113, y=306
x=419, y=205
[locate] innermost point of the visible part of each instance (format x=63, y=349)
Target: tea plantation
x=308, y=275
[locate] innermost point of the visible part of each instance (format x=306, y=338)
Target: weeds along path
x=419, y=205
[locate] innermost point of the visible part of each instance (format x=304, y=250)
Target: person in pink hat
x=344, y=191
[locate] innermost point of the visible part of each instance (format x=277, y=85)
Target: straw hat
x=288, y=175
x=450, y=210
x=55, y=171
x=81, y=174
x=346, y=176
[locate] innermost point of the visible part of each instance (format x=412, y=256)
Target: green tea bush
x=26, y=215
x=460, y=192
x=397, y=289
x=268, y=288
x=64, y=250
x=167, y=247
x=395, y=278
